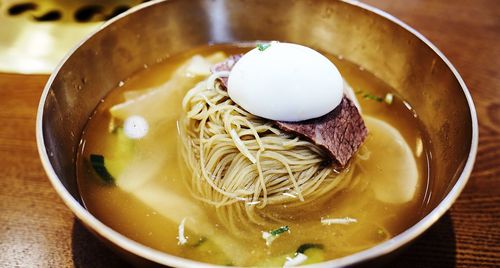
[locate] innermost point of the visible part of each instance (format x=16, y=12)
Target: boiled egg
x=285, y=82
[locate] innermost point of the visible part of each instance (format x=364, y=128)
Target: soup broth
x=152, y=203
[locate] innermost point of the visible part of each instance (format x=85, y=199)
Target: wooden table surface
x=37, y=230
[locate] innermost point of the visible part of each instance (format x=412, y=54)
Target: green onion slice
x=97, y=162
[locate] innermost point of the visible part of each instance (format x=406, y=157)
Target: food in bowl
x=267, y=154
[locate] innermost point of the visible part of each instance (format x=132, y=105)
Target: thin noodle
x=242, y=164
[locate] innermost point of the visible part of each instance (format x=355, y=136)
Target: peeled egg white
x=285, y=82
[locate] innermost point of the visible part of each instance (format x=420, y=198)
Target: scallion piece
x=280, y=230
x=263, y=47
x=315, y=252
x=368, y=95
x=272, y=235
x=302, y=248
x=372, y=97
x=97, y=162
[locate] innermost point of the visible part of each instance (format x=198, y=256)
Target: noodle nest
x=241, y=163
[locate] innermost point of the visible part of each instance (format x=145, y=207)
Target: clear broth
x=124, y=212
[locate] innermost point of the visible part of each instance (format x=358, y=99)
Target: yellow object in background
x=35, y=35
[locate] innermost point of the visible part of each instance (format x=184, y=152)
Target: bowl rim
x=159, y=257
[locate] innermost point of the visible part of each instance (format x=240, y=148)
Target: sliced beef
x=226, y=66
x=340, y=132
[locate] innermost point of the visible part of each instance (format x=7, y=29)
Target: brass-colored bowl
x=376, y=41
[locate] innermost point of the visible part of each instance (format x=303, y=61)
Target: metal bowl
x=376, y=41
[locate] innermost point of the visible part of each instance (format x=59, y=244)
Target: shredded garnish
x=181, y=238
x=298, y=259
x=241, y=147
x=272, y=235
x=263, y=47
x=346, y=220
x=280, y=230
x=368, y=95
x=372, y=97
